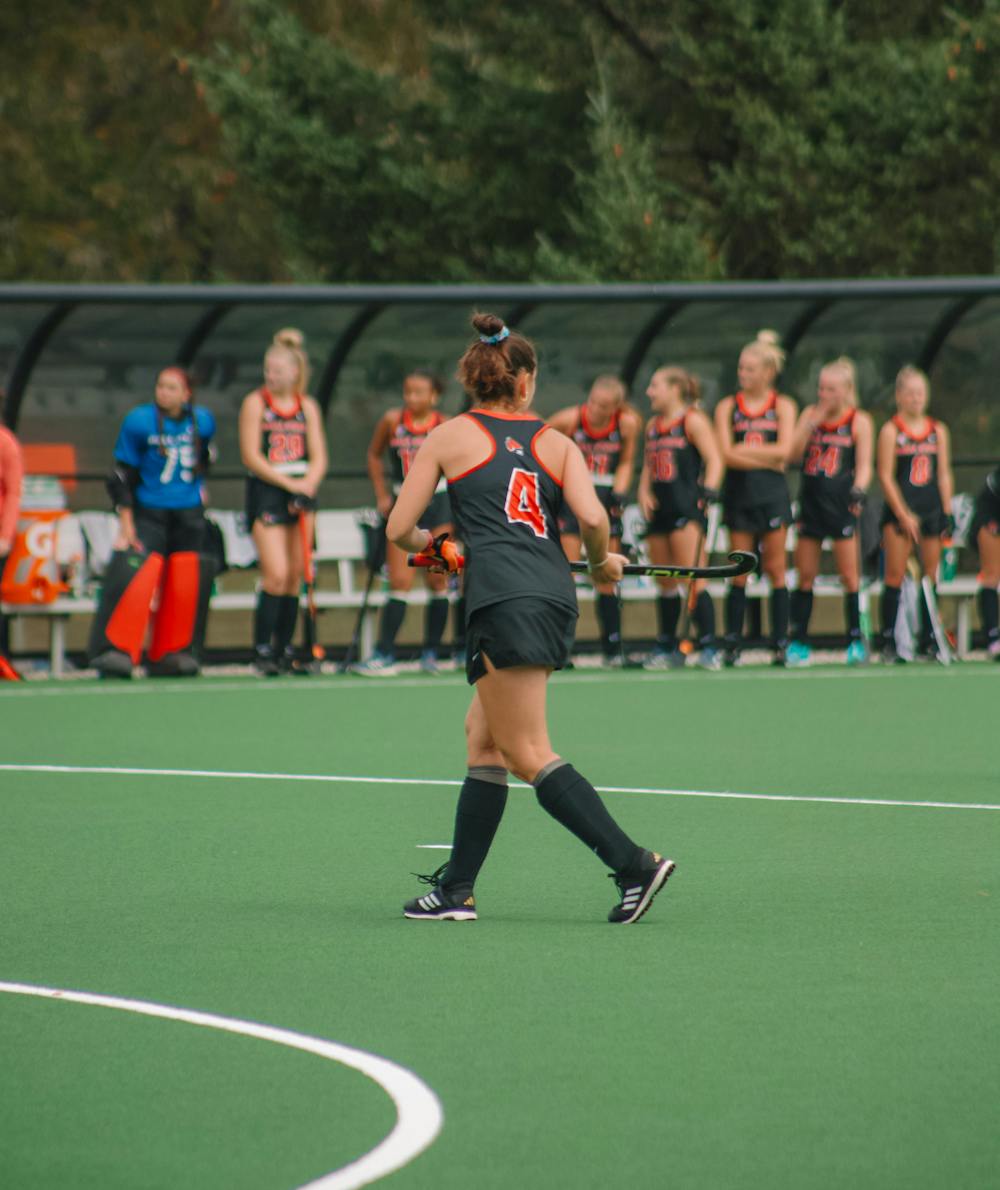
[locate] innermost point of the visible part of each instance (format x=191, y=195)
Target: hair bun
x=487, y=324
x=290, y=336
x=771, y=338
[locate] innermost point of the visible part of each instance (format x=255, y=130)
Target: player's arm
x=315, y=447
x=579, y=494
x=124, y=479
x=414, y=496
x=621, y=483
x=647, y=501
x=774, y=455
x=565, y=420
x=373, y=459
x=864, y=448
x=11, y=479
x=946, y=478
x=733, y=455
x=808, y=421
x=699, y=430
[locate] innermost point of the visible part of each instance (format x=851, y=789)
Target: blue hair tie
x=497, y=338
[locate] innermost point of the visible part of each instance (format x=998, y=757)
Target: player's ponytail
x=491, y=364
x=687, y=382
x=767, y=346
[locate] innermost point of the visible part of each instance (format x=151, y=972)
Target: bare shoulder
x=789, y=404
x=252, y=402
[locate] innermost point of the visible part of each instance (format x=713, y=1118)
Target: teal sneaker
x=856, y=653
x=798, y=655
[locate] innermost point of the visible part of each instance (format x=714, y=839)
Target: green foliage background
x=439, y=140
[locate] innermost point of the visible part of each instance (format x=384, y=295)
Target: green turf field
x=812, y=1002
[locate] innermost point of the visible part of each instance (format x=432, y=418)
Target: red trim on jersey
x=772, y=400
x=504, y=416
x=269, y=402
x=493, y=447
x=660, y=428
x=929, y=429
x=534, y=454
x=848, y=417
x=407, y=419
x=592, y=433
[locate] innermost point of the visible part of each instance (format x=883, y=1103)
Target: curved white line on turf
x=327, y=778
x=418, y=1112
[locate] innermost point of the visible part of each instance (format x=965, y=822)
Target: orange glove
x=442, y=556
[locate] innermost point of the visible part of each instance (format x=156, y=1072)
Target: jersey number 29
x=522, y=505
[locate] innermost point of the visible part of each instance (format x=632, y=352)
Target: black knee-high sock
x=802, y=607
x=890, y=608
x=434, y=623
x=573, y=801
x=668, y=608
x=609, y=617
x=284, y=627
x=852, y=614
x=393, y=615
x=779, y=615
x=477, y=816
x=458, y=632
x=736, y=603
x=989, y=613
x=704, y=615
x=265, y=619
x=926, y=631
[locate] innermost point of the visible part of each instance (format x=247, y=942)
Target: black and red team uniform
x=827, y=480
x=917, y=478
x=284, y=445
x=674, y=467
x=520, y=597
x=602, y=452
x=987, y=514
x=755, y=501
x=406, y=440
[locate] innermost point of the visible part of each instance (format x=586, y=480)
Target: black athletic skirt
x=522, y=631
x=267, y=503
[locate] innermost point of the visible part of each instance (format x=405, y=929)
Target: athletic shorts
x=438, y=512
x=932, y=524
x=758, y=519
x=522, y=631
x=819, y=521
x=670, y=514
x=986, y=516
x=569, y=526
x=268, y=504
x=170, y=530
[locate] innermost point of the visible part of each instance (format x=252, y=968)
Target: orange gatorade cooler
x=32, y=573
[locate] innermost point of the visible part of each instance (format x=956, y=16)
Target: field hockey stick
x=309, y=576
x=374, y=562
x=740, y=562
x=864, y=603
x=916, y=568
x=706, y=539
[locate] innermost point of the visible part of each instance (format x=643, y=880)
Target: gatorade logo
x=40, y=540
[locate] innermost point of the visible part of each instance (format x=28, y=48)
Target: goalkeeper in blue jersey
x=161, y=455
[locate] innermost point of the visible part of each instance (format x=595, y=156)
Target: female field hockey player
x=400, y=433
x=986, y=535
x=508, y=474
x=161, y=455
x=914, y=469
x=11, y=476
x=755, y=428
x=834, y=441
x=681, y=474
x=607, y=432
x=283, y=446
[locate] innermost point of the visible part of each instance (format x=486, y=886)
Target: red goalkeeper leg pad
x=174, y=628
x=7, y=672
x=130, y=582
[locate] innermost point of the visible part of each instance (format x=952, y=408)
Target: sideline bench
x=341, y=549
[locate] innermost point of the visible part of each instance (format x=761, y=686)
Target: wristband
x=592, y=566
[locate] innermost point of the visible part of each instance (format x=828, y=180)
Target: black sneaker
x=441, y=904
x=265, y=662
x=779, y=656
x=731, y=656
x=890, y=656
x=639, y=888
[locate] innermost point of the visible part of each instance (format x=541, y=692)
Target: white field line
x=327, y=778
x=54, y=688
x=418, y=1111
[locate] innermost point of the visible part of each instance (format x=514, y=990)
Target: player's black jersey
x=917, y=466
x=828, y=466
x=506, y=513
x=601, y=449
x=745, y=489
x=672, y=460
x=406, y=440
x=283, y=440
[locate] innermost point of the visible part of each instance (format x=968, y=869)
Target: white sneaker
x=377, y=666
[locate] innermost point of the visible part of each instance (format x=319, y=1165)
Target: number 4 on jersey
x=522, y=505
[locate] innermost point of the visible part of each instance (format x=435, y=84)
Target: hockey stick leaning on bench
x=309, y=577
